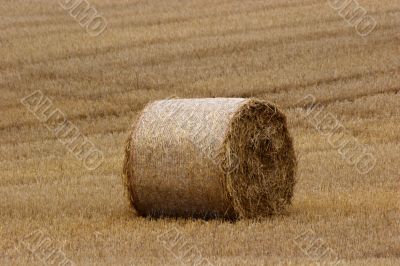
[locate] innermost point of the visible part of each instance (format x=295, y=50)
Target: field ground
x=279, y=51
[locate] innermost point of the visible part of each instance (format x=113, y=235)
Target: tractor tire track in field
x=164, y=21
x=166, y=86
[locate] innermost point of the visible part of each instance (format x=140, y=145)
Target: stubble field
x=279, y=51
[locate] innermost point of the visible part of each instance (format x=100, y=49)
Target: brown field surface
x=276, y=50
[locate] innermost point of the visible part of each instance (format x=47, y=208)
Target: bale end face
x=259, y=160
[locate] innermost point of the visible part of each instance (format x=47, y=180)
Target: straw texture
x=219, y=157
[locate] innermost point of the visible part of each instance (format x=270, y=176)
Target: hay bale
x=220, y=157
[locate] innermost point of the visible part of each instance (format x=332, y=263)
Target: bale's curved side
x=174, y=151
x=128, y=168
x=209, y=157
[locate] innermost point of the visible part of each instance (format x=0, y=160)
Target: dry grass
x=210, y=157
x=279, y=51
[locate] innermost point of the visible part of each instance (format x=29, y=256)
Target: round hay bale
x=219, y=157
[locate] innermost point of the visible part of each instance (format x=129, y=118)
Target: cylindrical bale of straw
x=219, y=157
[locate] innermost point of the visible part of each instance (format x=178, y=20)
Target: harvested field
x=62, y=147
